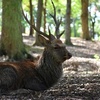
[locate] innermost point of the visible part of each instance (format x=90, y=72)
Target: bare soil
x=81, y=75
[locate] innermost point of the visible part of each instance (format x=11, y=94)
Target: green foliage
x=76, y=8
x=60, y=6
x=96, y=56
x=61, y=11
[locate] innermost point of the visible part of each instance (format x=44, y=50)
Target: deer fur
x=35, y=75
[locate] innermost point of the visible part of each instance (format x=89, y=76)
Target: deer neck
x=49, y=69
x=48, y=60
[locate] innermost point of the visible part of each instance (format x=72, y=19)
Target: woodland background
x=80, y=20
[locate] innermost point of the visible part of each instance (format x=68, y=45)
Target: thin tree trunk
x=74, y=27
x=84, y=18
x=39, y=18
x=45, y=16
x=31, y=18
x=67, y=24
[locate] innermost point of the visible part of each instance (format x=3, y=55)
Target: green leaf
x=96, y=56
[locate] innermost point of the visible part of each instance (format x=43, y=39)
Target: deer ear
x=43, y=40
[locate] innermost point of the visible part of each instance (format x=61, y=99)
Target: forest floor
x=81, y=75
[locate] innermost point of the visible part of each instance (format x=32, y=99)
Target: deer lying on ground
x=37, y=75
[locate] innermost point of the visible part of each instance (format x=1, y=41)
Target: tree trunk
x=11, y=38
x=31, y=18
x=45, y=16
x=39, y=18
x=67, y=24
x=84, y=18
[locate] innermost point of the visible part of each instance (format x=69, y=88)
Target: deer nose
x=69, y=55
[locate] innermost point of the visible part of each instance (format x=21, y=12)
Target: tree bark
x=67, y=24
x=11, y=37
x=44, y=10
x=31, y=18
x=39, y=18
x=84, y=18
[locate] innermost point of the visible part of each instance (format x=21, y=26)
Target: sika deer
x=36, y=75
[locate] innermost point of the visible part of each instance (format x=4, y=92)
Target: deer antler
x=33, y=26
x=51, y=37
x=57, y=22
x=59, y=35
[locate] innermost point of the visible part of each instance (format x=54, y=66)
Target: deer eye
x=56, y=47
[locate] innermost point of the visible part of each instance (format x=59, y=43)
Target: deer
x=39, y=74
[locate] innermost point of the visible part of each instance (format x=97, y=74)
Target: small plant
x=96, y=56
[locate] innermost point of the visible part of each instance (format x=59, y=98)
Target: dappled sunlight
x=81, y=66
x=33, y=54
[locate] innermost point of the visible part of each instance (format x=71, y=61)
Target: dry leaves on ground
x=80, y=80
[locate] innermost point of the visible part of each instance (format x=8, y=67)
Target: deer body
x=39, y=74
x=35, y=75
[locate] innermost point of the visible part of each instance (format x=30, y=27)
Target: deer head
x=52, y=43
x=56, y=48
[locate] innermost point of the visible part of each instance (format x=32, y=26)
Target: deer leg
x=35, y=84
x=7, y=78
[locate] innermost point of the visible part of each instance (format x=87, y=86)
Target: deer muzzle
x=68, y=56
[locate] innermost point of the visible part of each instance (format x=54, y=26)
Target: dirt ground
x=81, y=75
